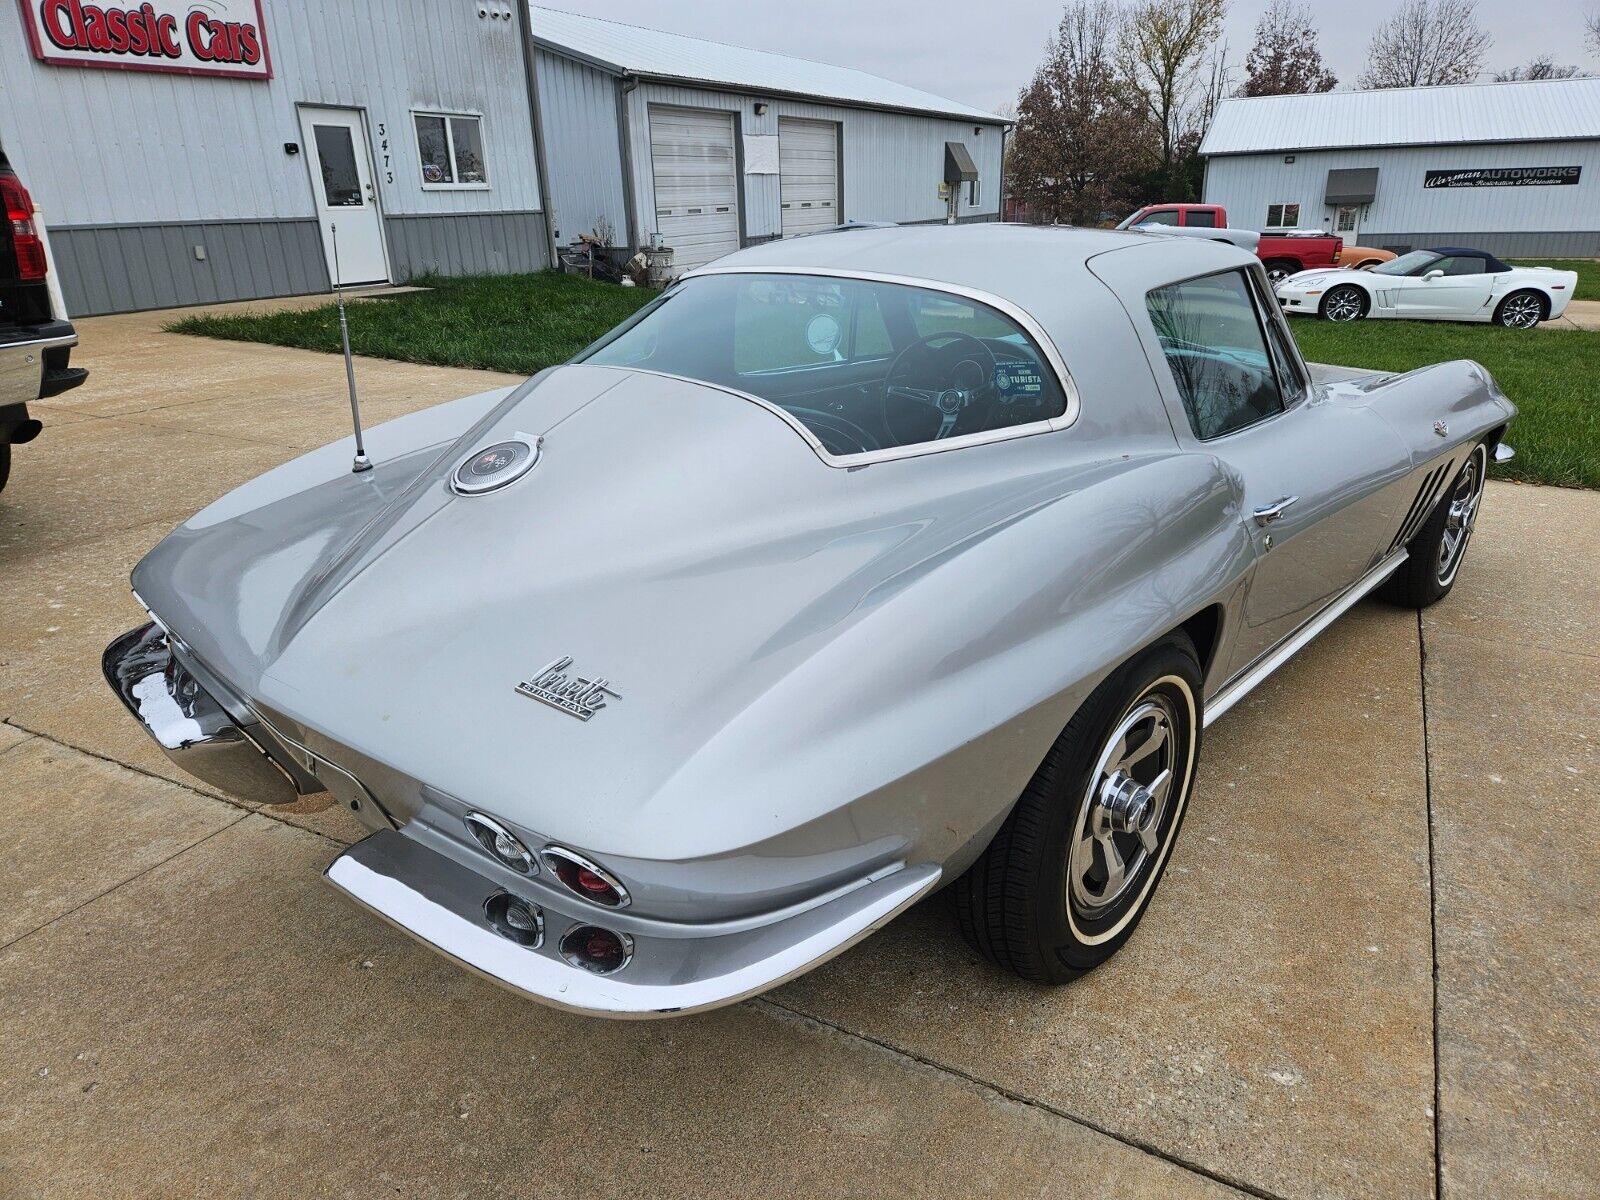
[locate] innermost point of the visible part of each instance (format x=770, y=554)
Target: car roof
x=1043, y=269
x=1466, y=251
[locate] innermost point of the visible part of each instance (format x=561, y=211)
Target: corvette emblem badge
x=576, y=695
x=1441, y=428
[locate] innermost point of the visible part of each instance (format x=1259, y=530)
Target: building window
x=451, y=150
x=1283, y=216
x=973, y=192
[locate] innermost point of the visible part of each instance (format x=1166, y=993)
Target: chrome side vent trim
x=1427, y=496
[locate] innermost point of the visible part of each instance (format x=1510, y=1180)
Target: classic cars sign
x=189, y=37
x=1503, y=177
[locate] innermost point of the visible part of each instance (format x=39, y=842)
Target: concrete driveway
x=1373, y=969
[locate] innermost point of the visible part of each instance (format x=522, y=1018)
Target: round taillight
x=601, y=951
x=515, y=919
x=585, y=878
x=502, y=843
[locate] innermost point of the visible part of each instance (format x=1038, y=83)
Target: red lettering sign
x=222, y=37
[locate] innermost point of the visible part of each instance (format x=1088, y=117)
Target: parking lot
x=1373, y=968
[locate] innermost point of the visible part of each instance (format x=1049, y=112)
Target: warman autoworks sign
x=1503, y=177
x=189, y=37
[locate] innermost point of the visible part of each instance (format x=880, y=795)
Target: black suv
x=34, y=344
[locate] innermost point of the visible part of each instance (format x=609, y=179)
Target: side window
x=1202, y=217
x=1211, y=334
x=1161, y=216
x=781, y=323
x=1462, y=264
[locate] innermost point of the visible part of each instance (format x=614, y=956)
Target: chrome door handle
x=1268, y=513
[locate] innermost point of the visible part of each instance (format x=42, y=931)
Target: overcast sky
x=983, y=53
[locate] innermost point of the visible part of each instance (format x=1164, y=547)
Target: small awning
x=1352, y=185
x=958, y=164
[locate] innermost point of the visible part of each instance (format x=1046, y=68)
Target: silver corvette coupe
x=850, y=567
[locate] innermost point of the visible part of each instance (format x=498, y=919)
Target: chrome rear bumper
x=192, y=725
x=673, y=969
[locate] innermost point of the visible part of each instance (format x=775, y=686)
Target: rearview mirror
x=1432, y=275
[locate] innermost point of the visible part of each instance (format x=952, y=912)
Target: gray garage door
x=697, y=184
x=808, y=174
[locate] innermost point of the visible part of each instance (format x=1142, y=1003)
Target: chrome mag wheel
x=1120, y=827
x=1343, y=304
x=1522, y=311
x=1465, y=497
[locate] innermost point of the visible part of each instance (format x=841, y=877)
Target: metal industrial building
x=712, y=147
x=233, y=138
x=1513, y=168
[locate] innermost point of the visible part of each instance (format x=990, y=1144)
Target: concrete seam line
x=1016, y=1097
x=22, y=937
x=1433, y=903
x=23, y=742
x=264, y=811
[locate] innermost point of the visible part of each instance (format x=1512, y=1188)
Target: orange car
x=1359, y=258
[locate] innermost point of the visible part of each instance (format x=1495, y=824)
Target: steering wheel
x=944, y=373
x=837, y=435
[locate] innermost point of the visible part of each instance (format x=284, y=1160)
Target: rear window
x=865, y=366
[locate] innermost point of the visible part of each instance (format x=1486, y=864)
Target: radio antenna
x=362, y=462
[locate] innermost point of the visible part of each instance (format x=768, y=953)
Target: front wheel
x=1073, y=869
x=1434, y=556
x=1344, y=303
x=1520, y=310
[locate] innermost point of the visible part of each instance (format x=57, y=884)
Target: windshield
x=1406, y=264
x=865, y=366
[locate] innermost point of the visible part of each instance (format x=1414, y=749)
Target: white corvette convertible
x=1448, y=283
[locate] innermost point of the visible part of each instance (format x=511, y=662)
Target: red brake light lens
x=25, y=240
x=584, y=878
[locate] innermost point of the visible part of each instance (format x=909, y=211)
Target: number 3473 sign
x=217, y=37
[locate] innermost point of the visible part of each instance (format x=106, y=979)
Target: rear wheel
x=1521, y=310
x=1073, y=869
x=1344, y=303
x=1434, y=556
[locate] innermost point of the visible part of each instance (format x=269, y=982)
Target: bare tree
x=1162, y=50
x=1591, y=31
x=1081, y=138
x=1285, y=60
x=1543, y=67
x=1426, y=42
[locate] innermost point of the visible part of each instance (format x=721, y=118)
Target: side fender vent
x=1427, y=497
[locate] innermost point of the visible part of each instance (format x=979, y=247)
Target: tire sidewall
x=1544, y=310
x=1344, y=287
x=1065, y=936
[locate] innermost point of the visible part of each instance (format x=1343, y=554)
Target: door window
x=1462, y=264
x=1202, y=217
x=1345, y=219
x=336, y=157
x=1161, y=216
x=1211, y=334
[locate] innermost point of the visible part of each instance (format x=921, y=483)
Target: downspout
x=625, y=87
x=525, y=27
x=1005, y=131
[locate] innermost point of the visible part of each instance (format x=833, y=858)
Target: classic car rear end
x=680, y=668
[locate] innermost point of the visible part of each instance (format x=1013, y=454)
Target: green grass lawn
x=514, y=323
x=1553, y=376
x=1588, y=270
x=523, y=323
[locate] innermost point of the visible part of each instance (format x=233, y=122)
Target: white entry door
x=808, y=175
x=1347, y=223
x=347, y=203
x=697, y=184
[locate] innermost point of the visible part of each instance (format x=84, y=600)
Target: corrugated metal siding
x=132, y=148
x=1491, y=112
x=655, y=52
x=1246, y=184
x=892, y=162
x=468, y=244
x=127, y=267
x=578, y=107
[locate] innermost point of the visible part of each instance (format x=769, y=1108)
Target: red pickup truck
x=1283, y=253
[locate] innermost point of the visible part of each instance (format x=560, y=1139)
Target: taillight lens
x=584, y=878
x=25, y=240
x=602, y=951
